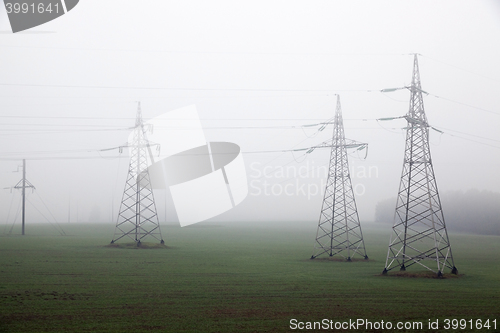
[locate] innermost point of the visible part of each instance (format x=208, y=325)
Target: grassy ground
x=227, y=278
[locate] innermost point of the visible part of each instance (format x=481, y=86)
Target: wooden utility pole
x=23, y=184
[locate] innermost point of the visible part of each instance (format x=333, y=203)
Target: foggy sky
x=72, y=85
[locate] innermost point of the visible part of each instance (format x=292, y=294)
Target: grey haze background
x=69, y=88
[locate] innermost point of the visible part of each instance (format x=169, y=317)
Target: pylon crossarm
x=27, y=184
x=347, y=144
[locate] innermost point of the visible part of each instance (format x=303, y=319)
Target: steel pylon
x=419, y=232
x=137, y=217
x=339, y=231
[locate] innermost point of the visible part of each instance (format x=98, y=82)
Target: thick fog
x=257, y=71
x=469, y=211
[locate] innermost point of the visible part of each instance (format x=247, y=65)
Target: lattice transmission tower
x=419, y=232
x=137, y=217
x=339, y=230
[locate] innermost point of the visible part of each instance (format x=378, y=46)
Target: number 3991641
x=31, y=8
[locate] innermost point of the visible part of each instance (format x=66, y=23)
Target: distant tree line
x=473, y=211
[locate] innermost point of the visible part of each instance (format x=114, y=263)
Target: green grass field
x=228, y=278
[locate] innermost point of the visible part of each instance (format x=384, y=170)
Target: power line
x=177, y=89
x=462, y=69
x=454, y=135
x=23, y=131
x=65, y=125
x=60, y=230
x=388, y=90
x=205, y=52
x=478, y=142
x=52, y=158
x=308, y=149
x=477, y=136
x=129, y=118
x=244, y=152
x=464, y=104
x=172, y=128
x=159, y=97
